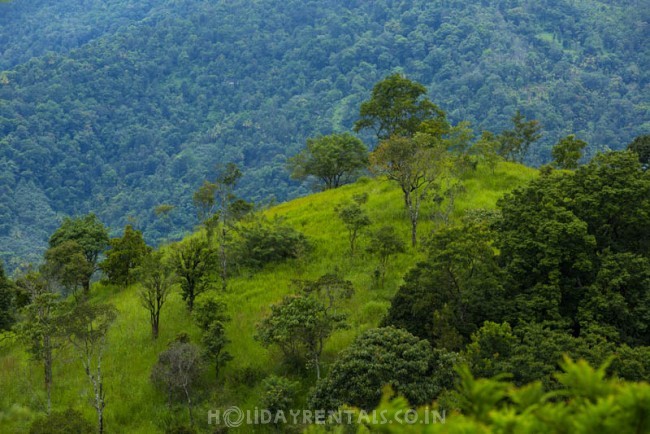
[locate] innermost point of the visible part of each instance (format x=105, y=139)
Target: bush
x=278, y=394
x=264, y=242
x=69, y=421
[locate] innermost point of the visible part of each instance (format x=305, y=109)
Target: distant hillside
x=118, y=106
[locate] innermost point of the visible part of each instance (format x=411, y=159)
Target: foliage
x=385, y=243
x=278, y=394
x=68, y=266
x=263, y=242
x=77, y=236
x=398, y=108
x=124, y=255
x=210, y=315
x=590, y=403
x=87, y=328
x=193, y=261
x=332, y=159
x=416, y=164
x=378, y=357
x=299, y=325
x=516, y=142
x=355, y=220
x=641, y=146
x=79, y=136
x=457, y=287
x=69, y=421
x=177, y=372
x=42, y=331
x=157, y=277
x=567, y=152
x=7, y=301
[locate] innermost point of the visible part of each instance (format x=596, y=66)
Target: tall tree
x=219, y=208
x=90, y=235
x=355, y=220
x=157, y=278
x=516, y=142
x=87, y=328
x=193, y=261
x=331, y=159
x=416, y=164
x=385, y=243
x=210, y=315
x=125, y=254
x=299, y=325
x=41, y=331
x=399, y=107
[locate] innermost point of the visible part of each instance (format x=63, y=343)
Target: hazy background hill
x=118, y=106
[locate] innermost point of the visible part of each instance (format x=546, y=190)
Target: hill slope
x=135, y=407
x=129, y=105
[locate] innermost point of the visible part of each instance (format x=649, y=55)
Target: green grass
x=134, y=406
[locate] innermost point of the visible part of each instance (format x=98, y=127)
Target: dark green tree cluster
x=564, y=269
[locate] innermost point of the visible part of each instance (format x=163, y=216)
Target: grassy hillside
x=133, y=404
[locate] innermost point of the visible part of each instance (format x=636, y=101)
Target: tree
x=567, y=152
x=416, y=164
x=641, y=146
x=278, y=393
x=220, y=208
x=398, y=108
x=385, y=243
x=378, y=357
x=157, y=278
x=91, y=237
x=331, y=159
x=210, y=315
x=446, y=297
x=262, y=242
x=330, y=289
x=87, y=328
x=299, y=325
x=67, y=264
x=355, y=220
x=125, y=254
x=193, y=261
x=515, y=142
x=42, y=332
x=177, y=371
x=487, y=150
x=7, y=301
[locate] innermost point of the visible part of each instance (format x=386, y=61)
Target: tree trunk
x=155, y=327
x=47, y=364
x=224, y=259
x=189, y=405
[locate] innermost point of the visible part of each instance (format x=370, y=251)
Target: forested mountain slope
x=128, y=105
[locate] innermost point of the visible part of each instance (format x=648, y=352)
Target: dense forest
x=123, y=108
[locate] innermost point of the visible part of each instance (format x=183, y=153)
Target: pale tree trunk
x=98, y=389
